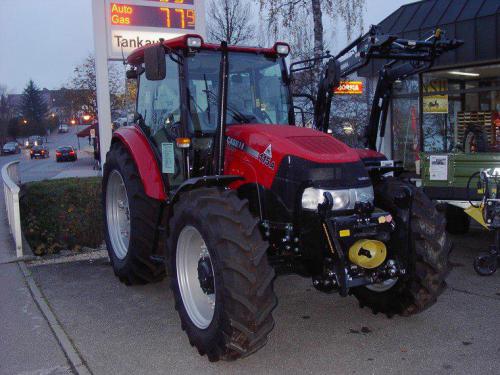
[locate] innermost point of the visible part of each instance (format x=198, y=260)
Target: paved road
x=132, y=330
x=40, y=169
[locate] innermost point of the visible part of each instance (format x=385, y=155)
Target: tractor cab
x=184, y=104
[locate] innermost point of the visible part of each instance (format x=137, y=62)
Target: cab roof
x=137, y=56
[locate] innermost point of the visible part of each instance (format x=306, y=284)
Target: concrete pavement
x=27, y=343
x=123, y=330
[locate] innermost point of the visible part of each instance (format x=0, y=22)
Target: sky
x=44, y=40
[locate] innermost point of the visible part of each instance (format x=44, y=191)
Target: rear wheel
x=420, y=243
x=131, y=219
x=220, y=275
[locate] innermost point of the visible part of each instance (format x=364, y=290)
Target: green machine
x=445, y=177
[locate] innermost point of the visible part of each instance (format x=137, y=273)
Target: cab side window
x=159, y=104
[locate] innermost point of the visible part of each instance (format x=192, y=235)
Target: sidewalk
x=27, y=343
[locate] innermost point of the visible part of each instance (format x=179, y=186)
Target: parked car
x=63, y=128
x=34, y=140
x=66, y=153
x=11, y=148
x=39, y=152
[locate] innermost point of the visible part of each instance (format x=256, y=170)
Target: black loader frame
x=405, y=58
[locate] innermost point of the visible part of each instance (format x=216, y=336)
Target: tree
x=229, y=20
x=33, y=108
x=14, y=127
x=4, y=115
x=295, y=18
x=82, y=90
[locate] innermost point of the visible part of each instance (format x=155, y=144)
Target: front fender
x=140, y=149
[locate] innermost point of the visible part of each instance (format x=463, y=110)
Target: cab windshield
x=257, y=92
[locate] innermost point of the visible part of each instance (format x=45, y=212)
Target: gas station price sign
x=147, y=16
x=188, y=2
x=132, y=24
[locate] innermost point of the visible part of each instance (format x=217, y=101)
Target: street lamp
x=25, y=122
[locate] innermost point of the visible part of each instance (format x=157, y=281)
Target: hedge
x=62, y=214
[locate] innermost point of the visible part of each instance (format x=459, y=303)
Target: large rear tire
x=130, y=218
x=420, y=242
x=220, y=275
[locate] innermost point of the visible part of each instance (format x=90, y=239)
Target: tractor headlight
x=342, y=199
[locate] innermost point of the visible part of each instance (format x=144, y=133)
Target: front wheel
x=220, y=276
x=420, y=242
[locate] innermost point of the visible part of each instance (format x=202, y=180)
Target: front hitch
x=339, y=275
x=364, y=223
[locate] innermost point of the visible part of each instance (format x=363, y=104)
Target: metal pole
x=101, y=67
x=220, y=138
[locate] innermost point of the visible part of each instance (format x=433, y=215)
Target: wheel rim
x=195, y=277
x=383, y=286
x=118, y=214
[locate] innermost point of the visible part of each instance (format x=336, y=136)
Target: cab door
x=159, y=107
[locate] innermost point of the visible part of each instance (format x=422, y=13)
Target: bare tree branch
x=300, y=19
x=229, y=20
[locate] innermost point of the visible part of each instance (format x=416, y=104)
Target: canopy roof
x=137, y=56
x=476, y=22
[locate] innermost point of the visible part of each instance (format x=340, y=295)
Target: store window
x=461, y=109
x=406, y=135
x=405, y=120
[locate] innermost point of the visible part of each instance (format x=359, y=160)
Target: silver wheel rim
x=118, y=214
x=383, y=286
x=199, y=305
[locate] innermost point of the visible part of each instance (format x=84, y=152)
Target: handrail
x=11, y=191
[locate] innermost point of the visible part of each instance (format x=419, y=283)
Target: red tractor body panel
x=140, y=150
x=255, y=151
x=369, y=154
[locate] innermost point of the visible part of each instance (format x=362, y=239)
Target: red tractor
x=216, y=186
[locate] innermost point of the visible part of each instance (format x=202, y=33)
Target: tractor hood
x=282, y=140
x=257, y=151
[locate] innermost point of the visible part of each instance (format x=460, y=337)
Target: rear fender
x=141, y=151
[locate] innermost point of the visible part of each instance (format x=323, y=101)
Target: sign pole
x=101, y=67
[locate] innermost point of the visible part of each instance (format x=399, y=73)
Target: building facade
x=456, y=105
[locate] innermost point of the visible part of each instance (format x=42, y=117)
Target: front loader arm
x=416, y=56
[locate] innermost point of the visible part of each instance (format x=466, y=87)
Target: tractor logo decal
x=264, y=158
x=269, y=152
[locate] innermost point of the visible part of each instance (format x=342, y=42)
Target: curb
x=67, y=346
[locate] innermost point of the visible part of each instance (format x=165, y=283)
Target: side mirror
x=155, y=63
